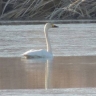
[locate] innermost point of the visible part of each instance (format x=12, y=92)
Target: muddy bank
x=22, y=22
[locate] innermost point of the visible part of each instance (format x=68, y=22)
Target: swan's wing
x=31, y=52
x=37, y=54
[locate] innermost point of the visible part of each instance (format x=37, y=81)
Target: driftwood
x=48, y=9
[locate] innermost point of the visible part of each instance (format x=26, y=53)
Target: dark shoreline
x=25, y=22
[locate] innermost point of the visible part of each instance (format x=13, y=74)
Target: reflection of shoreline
x=20, y=22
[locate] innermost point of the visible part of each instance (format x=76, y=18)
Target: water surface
x=67, y=40
x=61, y=72
x=73, y=65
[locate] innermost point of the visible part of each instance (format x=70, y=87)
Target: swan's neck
x=47, y=40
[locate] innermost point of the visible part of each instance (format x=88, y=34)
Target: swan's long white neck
x=47, y=39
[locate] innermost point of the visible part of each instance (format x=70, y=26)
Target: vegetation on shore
x=47, y=9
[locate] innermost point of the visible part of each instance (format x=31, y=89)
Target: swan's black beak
x=54, y=26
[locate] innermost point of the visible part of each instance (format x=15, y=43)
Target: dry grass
x=49, y=9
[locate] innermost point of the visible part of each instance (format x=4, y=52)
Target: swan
x=41, y=53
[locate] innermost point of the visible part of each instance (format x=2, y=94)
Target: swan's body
x=37, y=54
x=42, y=53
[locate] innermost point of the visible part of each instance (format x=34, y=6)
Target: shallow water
x=67, y=40
x=61, y=72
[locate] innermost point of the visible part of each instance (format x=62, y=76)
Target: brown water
x=61, y=72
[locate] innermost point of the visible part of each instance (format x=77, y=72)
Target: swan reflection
x=36, y=64
x=36, y=60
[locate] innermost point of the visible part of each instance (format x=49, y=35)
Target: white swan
x=42, y=53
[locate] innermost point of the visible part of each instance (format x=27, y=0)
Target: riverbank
x=22, y=22
x=47, y=10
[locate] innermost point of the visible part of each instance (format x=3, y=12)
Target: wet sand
x=61, y=72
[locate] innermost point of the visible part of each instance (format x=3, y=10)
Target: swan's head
x=50, y=25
